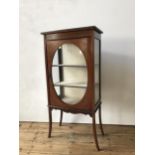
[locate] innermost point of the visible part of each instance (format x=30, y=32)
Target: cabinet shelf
x=71, y=84
x=63, y=65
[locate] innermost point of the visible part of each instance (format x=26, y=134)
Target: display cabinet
x=73, y=73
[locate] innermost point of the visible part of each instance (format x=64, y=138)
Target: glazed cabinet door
x=69, y=68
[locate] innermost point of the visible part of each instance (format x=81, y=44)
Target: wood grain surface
x=75, y=139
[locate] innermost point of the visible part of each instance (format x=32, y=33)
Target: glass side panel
x=96, y=67
x=69, y=72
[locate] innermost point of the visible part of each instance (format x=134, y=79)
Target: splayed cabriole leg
x=61, y=117
x=50, y=122
x=94, y=132
x=100, y=120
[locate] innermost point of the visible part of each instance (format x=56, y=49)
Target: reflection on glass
x=69, y=73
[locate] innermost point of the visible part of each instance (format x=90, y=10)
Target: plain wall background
x=115, y=18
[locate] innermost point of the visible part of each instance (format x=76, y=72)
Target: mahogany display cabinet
x=73, y=73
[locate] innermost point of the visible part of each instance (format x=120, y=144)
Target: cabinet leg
x=94, y=132
x=61, y=117
x=100, y=121
x=50, y=122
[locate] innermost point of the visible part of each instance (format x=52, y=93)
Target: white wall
x=115, y=18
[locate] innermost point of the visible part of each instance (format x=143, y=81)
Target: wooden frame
x=84, y=39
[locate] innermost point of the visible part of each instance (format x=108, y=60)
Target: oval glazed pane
x=69, y=73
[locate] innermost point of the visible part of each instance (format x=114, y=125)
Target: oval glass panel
x=69, y=72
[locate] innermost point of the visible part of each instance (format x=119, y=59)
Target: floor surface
x=75, y=139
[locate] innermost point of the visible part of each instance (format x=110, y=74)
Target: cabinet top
x=74, y=30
